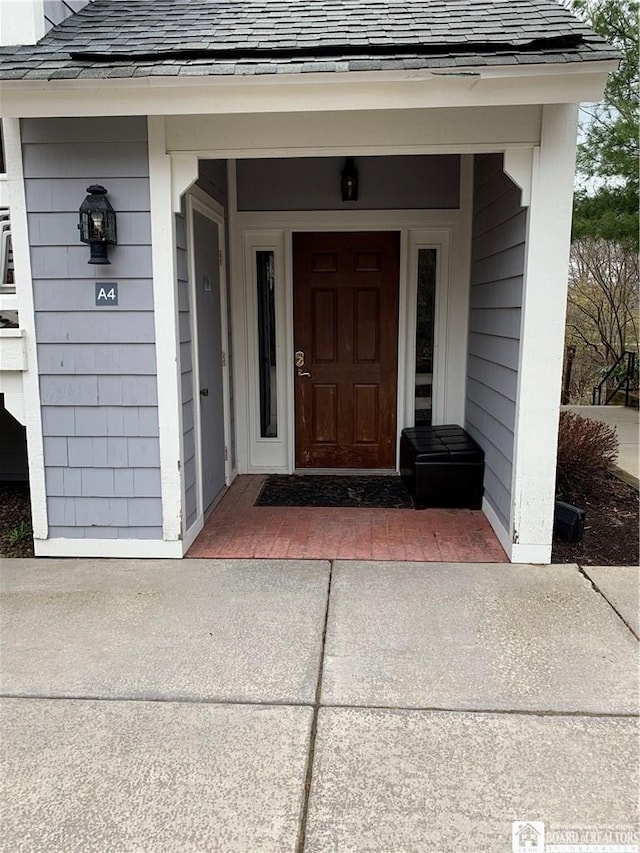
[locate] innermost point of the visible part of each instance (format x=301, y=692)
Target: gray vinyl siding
x=385, y=183
x=497, y=268
x=57, y=11
x=97, y=366
x=187, y=375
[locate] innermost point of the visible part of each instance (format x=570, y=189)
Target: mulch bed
x=15, y=520
x=611, y=524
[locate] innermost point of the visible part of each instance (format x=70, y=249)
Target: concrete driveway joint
x=620, y=586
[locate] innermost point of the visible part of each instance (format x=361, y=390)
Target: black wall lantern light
x=97, y=224
x=349, y=181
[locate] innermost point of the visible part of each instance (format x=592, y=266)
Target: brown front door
x=346, y=330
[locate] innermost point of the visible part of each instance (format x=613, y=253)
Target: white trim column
x=165, y=304
x=542, y=336
x=27, y=321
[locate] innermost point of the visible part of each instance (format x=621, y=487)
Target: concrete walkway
x=343, y=707
x=627, y=424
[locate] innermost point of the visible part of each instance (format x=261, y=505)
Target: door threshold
x=347, y=472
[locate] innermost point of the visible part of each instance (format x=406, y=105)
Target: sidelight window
x=267, y=366
x=425, y=327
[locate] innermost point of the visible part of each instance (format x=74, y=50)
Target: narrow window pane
x=425, y=317
x=265, y=265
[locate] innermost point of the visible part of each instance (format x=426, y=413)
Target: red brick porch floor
x=237, y=528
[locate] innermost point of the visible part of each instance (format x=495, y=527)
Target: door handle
x=204, y=392
x=303, y=373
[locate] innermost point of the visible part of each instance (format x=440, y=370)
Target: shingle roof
x=137, y=38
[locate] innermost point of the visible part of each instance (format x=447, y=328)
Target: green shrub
x=586, y=450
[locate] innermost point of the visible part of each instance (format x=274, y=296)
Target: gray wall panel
x=186, y=368
x=57, y=420
x=501, y=435
x=69, y=391
x=127, y=262
x=55, y=450
x=497, y=350
x=502, y=264
x=79, y=295
x=127, y=532
x=134, y=228
x=127, y=391
x=54, y=194
x=98, y=161
x=496, y=294
x=104, y=325
x=502, y=379
x=140, y=533
x=110, y=420
x=496, y=322
x=497, y=271
x=97, y=365
x=70, y=532
x=97, y=358
x=313, y=183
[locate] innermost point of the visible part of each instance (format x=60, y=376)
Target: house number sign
x=106, y=293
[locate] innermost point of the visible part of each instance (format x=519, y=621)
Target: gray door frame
x=200, y=202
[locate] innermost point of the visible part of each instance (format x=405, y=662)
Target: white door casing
x=433, y=229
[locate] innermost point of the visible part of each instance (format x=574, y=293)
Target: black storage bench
x=442, y=467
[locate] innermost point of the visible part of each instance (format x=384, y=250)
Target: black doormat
x=371, y=492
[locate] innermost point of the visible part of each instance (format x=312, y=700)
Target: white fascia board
x=535, y=84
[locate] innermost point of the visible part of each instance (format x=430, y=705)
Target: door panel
x=346, y=324
x=207, y=283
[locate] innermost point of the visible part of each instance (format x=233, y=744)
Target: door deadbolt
x=299, y=358
x=204, y=392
